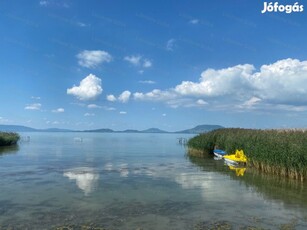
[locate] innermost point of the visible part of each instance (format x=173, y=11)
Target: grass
x=7, y=138
x=280, y=152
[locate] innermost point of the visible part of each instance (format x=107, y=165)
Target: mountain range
x=196, y=130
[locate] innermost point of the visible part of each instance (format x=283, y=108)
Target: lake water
x=136, y=181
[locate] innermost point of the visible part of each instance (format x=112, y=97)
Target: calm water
x=136, y=181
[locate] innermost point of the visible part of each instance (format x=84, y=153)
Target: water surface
x=136, y=181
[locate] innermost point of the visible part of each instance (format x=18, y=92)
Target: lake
x=136, y=181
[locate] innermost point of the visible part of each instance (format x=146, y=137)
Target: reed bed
x=8, y=138
x=279, y=152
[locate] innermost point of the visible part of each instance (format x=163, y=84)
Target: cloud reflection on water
x=86, y=178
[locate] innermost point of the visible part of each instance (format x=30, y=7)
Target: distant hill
x=16, y=128
x=201, y=129
x=129, y=131
x=99, y=131
x=154, y=130
x=21, y=128
x=195, y=130
x=55, y=130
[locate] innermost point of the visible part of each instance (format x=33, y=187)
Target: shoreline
x=278, y=152
x=8, y=139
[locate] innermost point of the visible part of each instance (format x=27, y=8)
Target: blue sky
x=141, y=64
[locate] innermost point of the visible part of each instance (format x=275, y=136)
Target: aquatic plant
x=7, y=138
x=280, y=152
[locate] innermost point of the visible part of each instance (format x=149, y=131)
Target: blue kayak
x=219, y=153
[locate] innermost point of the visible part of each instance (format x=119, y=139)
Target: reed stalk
x=279, y=152
x=7, y=138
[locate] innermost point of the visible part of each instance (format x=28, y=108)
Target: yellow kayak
x=236, y=158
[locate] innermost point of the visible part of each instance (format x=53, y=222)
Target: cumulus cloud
x=111, y=98
x=34, y=106
x=93, y=58
x=155, y=95
x=93, y=106
x=89, y=88
x=58, y=110
x=284, y=81
x=138, y=60
x=283, y=84
x=218, y=82
x=147, y=63
x=124, y=96
x=133, y=59
x=123, y=112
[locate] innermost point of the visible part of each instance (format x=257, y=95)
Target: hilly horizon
x=196, y=130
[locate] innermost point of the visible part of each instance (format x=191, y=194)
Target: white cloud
x=34, y=106
x=111, y=98
x=59, y=110
x=201, y=102
x=92, y=58
x=35, y=98
x=138, y=60
x=89, y=114
x=89, y=88
x=147, y=63
x=281, y=85
x=122, y=112
x=155, y=95
x=218, y=82
x=284, y=81
x=186, y=103
x=147, y=82
x=43, y=3
x=93, y=106
x=170, y=45
x=250, y=102
x=54, y=3
x=133, y=59
x=124, y=96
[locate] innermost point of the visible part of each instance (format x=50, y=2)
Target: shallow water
x=136, y=181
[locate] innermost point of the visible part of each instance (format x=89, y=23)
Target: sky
x=134, y=64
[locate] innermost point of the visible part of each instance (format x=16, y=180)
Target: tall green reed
x=281, y=152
